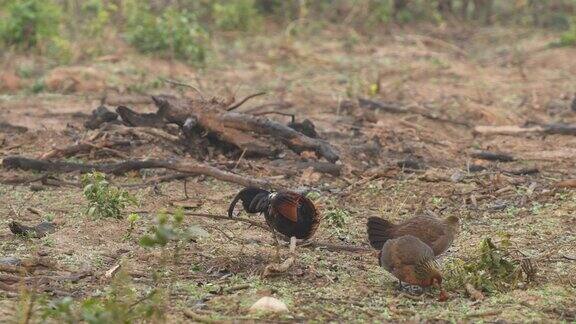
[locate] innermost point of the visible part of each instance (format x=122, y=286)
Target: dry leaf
x=474, y=293
x=570, y=183
x=443, y=296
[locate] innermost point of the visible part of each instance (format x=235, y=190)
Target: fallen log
x=236, y=128
x=397, y=109
x=523, y=171
x=99, y=116
x=290, y=168
x=195, y=168
x=492, y=156
x=9, y=128
x=132, y=118
x=37, y=231
x=84, y=147
x=568, y=183
x=146, y=133
x=549, y=129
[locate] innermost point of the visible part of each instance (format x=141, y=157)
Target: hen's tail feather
x=379, y=231
x=251, y=198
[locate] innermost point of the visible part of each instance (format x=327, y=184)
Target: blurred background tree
x=73, y=30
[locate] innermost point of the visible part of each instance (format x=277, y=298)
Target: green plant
x=236, y=15
x=174, y=32
x=536, y=208
x=30, y=22
x=436, y=201
x=383, y=12
x=313, y=195
x=95, y=16
x=38, y=86
x=133, y=218
x=512, y=210
x=170, y=228
x=121, y=303
x=49, y=217
x=568, y=38
x=491, y=269
x=104, y=199
x=337, y=218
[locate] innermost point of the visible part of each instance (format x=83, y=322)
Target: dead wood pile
x=193, y=129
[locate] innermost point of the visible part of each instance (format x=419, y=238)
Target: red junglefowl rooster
x=437, y=233
x=289, y=213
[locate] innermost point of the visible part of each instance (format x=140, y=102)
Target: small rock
x=269, y=305
x=457, y=176
x=12, y=261
x=411, y=164
x=37, y=231
x=37, y=187
x=476, y=168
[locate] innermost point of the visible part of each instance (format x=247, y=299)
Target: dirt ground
x=466, y=78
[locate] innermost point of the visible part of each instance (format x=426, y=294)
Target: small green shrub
x=175, y=33
x=490, y=270
x=105, y=200
x=120, y=304
x=29, y=23
x=170, y=228
x=133, y=218
x=568, y=38
x=95, y=15
x=239, y=15
x=337, y=217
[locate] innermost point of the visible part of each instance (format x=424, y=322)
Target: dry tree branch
x=182, y=84
x=194, y=168
x=244, y=100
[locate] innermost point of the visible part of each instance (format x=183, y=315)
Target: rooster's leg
x=293, y=245
x=277, y=268
x=277, y=244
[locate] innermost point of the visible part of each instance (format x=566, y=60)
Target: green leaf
x=133, y=218
x=147, y=241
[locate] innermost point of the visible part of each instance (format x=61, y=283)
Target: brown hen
x=437, y=233
x=411, y=261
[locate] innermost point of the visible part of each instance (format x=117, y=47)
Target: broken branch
x=244, y=100
x=83, y=147
x=397, y=109
x=550, y=129
x=492, y=156
x=16, y=162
